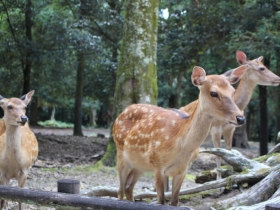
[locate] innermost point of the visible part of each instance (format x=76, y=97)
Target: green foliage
x=204, y=33
x=55, y=124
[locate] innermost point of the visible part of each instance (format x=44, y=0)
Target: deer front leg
x=131, y=180
x=21, y=182
x=176, y=186
x=216, y=139
x=228, y=135
x=3, y=203
x=159, y=182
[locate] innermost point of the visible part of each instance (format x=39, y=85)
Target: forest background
x=68, y=51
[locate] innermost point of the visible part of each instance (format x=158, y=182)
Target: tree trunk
x=250, y=119
x=175, y=97
x=92, y=117
x=277, y=98
x=79, y=95
x=136, y=76
x=263, y=131
x=33, y=109
x=28, y=59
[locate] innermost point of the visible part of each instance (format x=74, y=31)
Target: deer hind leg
x=159, y=181
x=216, y=139
x=131, y=180
x=176, y=186
x=123, y=168
x=228, y=135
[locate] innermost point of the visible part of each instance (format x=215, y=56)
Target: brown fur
x=18, y=144
x=151, y=138
x=251, y=78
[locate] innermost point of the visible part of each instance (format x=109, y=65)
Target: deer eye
x=10, y=107
x=262, y=68
x=214, y=94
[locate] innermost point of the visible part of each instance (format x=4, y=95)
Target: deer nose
x=240, y=120
x=24, y=119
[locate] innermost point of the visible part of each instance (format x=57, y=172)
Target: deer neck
x=13, y=140
x=244, y=92
x=197, y=131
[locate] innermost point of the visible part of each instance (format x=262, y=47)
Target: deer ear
x=27, y=97
x=198, y=76
x=234, y=75
x=2, y=100
x=260, y=58
x=241, y=57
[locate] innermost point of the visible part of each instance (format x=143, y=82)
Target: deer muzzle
x=23, y=120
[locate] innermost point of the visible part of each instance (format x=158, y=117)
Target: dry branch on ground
x=267, y=181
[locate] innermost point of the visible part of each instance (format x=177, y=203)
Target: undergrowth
x=55, y=124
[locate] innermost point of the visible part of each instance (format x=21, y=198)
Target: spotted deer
x=151, y=138
x=256, y=74
x=18, y=144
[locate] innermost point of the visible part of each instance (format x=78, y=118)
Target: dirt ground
x=63, y=156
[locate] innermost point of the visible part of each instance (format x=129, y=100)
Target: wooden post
x=272, y=206
x=70, y=186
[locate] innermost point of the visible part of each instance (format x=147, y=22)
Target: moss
x=137, y=75
x=109, y=158
x=263, y=158
x=229, y=183
x=190, y=177
x=200, y=194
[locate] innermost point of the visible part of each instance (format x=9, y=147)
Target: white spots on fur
x=157, y=144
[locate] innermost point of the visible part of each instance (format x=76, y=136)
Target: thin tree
x=85, y=6
x=136, y=76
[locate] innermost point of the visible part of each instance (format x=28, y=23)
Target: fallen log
x=54, y=199
x=276, y=148
x=260, y=192
x=227, y=182
x=236, y=160
x=268, y=179
x=258, y=206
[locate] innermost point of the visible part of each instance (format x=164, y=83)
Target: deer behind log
x=18, y=144
x=256, y=74
x=150, y=138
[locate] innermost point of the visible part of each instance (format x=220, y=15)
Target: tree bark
x=260, y=192
x=136, y=76
x=55, y=199
x=263, y=130
x=79, y=95
x=277, y=93
x=34, y=110
x=28, y=59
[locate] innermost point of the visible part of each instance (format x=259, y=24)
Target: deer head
x=15, y=109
